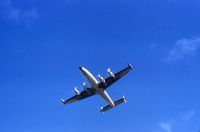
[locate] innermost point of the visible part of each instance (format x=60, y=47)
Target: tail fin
x=118, y=102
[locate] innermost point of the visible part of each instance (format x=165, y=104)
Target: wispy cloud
x=152, y=46
x=187, y=116
x=166, y=127
x=177, y=123
x=9, y=11
x=183, y=48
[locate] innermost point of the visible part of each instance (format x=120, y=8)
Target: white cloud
x=8, y=11
x=187, y=116
x=183, y=48
x=166, y=127
x=180, y=123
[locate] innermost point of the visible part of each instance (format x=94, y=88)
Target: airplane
x=99, y=87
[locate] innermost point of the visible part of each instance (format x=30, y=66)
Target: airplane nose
x=80, y=67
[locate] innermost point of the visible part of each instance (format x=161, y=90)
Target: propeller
x=76, y=91
x=108, y=70
x=99, y=75
x=110, y=73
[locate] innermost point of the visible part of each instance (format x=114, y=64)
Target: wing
x=84, y=94
x=110, y=80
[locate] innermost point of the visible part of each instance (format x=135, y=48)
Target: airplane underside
x=98, y=87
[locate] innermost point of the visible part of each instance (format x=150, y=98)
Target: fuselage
x=94, y=83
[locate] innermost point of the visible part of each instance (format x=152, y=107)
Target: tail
x=118, y=102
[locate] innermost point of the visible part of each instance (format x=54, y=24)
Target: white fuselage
x=93, y=81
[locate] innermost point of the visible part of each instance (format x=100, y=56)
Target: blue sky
x=42, y=43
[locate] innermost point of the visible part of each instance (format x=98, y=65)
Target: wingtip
x=124, y=98
x=130, y=66
x=63, y=101
x=101, y=110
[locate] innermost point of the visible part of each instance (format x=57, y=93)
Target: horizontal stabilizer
x=118, y=102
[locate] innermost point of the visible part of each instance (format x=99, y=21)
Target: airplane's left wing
x=114, y=77
x=84, y=94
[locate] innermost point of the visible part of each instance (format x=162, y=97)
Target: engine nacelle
x=102, y=80
x=76, y=91
x=111, y=73
x=84, y=86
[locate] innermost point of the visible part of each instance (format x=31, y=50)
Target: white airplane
x=99, y=87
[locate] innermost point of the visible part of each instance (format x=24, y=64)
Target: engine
x=84, y=86
x=76, y=91
x=102, y=80
x=111, y=73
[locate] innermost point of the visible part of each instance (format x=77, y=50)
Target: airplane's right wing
x=84, y=94
x=115, y=77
